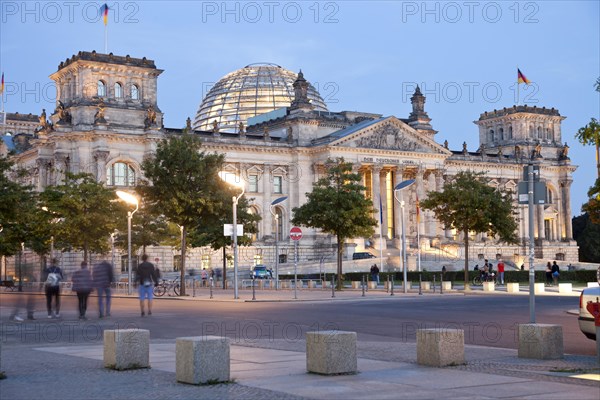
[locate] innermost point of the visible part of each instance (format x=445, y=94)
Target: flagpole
x=105, y=38
x=518, y=86
x=418, y=235
x=380, y=235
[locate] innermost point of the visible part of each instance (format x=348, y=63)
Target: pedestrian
x=549, y=279
x=27, y=304
x=375, y=273
x=146, y=277
x=555, y=272
x=52, y=276
x=103, y=277
x=501, y=272
x=82, y=285
x=204, y=276
x=443, y=271
x=523, y=267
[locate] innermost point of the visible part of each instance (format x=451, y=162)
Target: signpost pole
x=295, y=235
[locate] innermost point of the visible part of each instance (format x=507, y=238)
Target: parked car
x=586, y=320
x=361, y=255
x=261, y=272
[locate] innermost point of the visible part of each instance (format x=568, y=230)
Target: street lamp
x=129, y=199
x=273, y=211
x=233, y=181
x=399, y=187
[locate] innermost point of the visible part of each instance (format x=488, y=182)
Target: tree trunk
x=466, y=259
x=340, y=250
x=182, y=279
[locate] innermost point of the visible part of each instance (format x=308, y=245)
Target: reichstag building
x=276, y=132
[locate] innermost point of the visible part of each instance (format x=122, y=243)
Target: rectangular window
x=253, y=183
x=206, y=261
x=277, y=184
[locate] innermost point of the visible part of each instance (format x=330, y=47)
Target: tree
x=85, y=211
x=183, y=183
x=147, y=229
x=468, y=204
x=590, y=134
x=592, y=207
x=337, y=205
x=587, y=235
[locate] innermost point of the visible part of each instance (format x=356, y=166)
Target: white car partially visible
x=586, y=320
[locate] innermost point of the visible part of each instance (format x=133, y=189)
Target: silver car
x=586, y=320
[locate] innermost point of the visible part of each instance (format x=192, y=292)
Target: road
x=488, y=320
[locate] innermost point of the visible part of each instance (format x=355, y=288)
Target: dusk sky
x=361, y=55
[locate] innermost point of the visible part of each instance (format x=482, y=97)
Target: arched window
x=491, y=136
x=510, y=132
x=549, y=197
x=501, y=133
x=120, y=174
x=135, y=92
x=118, y=90
x=279, y=221
x=540, y=134
x=101, y=89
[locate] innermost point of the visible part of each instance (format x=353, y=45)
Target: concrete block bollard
x=512, y=287
x=489, y=286
x=372, y=285
x=425, y=285
x=565, y=287
x=202, y=359
x=540, y=341
x=440, y=347
x=356, y=284
x=126, y=349
x=593, y=284
x=285, y=284
x=539, y=287
x=446, y=285
x=311, y=284
x=331, y=352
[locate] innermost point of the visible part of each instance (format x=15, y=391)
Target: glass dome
x=253, y=90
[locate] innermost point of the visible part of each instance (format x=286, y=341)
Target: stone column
x=386, y=208
x=540, y=222
x=266, y=191
x=420, y=193
x=42, y=180
x=376, y=190
x=565, y=186
x=398, y=177
x=61, y=166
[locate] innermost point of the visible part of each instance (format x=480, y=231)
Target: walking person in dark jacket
x=146, y=277
x=82, y=285
x=103, y=277
x=52, y=276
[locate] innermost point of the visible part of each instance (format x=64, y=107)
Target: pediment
x=390, y=134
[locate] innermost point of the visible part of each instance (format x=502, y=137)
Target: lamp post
x=273, y=211
x=129, y=199
x=112, y=248
x=399, y=187
x=233, y=181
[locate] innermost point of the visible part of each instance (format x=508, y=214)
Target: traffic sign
x=295, y=233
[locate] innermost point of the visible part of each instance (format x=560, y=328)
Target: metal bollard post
x=211, y=288
x=193, y=286
x=332, y=286
x=433, y=283
x=420, y=290
x=392, y=286
x=253, y=293
x=441, y=284
x=367, y=283
x=387, y=288
x=362, y=283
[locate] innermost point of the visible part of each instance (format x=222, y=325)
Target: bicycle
x=165, y=286
x=490, y=277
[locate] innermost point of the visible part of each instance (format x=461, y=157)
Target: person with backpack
x=82, y=285
x=555, y=272
x=52, y=276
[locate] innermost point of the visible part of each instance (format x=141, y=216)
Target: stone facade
x=107, y=119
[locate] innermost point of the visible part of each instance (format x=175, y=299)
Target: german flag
x=104, y=12
x=2, y=84
x=522, y=78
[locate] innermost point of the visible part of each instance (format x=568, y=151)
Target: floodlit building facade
x=276, y=133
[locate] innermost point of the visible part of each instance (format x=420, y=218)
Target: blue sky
x=362, y=55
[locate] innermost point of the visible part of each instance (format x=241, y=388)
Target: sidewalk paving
x=277, y=370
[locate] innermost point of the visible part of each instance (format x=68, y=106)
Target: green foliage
x=590, y=135
x=587, y=235
x=184, y=186
x=337, y=205
x=20, y=216
x=147, y=229
x=85, y=214
x=592, y=207
x=468, y=204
